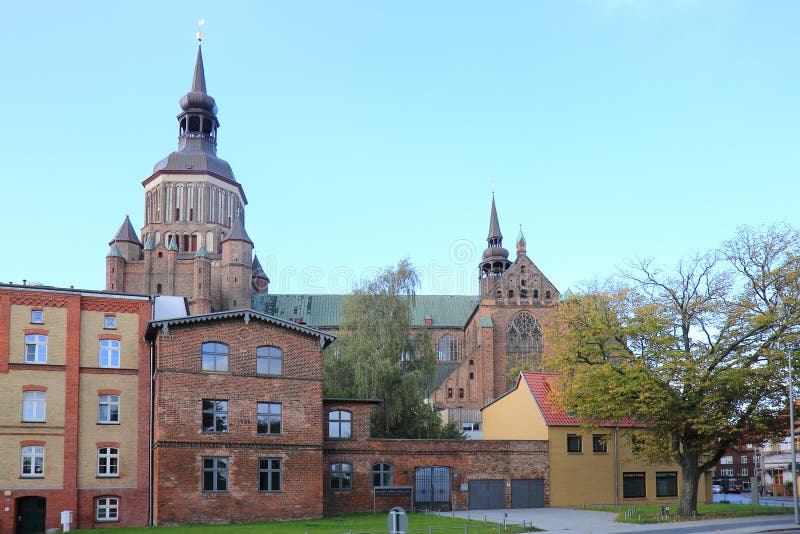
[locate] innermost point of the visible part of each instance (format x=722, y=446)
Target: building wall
x=72, y=321
x=468, y=460
x=505, y=420
x=180, y=443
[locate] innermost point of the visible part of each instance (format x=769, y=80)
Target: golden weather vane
x=200, y=24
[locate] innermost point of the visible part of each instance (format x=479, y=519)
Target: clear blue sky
x=367, y=131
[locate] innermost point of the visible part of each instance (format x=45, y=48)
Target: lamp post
x=794, y=446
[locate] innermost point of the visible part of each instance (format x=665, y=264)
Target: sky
x=364, y=132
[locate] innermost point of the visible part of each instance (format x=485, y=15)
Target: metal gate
x=527, y=493
x=432, y=485
x=487, y=494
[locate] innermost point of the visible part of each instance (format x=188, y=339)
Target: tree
x=377, y=356
x=697, y=353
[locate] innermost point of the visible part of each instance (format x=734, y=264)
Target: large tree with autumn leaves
x=697, y=352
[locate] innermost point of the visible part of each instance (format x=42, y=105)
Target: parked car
x=716, y=487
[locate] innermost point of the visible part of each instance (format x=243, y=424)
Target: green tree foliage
x=698, y=352
x=376, y=356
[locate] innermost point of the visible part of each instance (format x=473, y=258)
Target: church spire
x=198, y=121
x=495, y=257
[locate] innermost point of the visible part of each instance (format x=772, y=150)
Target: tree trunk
x=690, y=477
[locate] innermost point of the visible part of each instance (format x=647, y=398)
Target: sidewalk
x=590, y=522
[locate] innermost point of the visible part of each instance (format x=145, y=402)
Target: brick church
x=194, y=244
x=186, y=393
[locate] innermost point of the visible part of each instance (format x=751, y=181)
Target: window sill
x=31, y=476
x=107, y=520
x=108, y=476
x=33, y=422
x=112, y=423
x=575, y=453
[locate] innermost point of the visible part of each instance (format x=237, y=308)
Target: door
x=487, y=494
x=432, y=488
x=31, y=513
x=527, y=493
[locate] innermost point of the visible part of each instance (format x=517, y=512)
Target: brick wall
x=181, y=444
x=467, y=460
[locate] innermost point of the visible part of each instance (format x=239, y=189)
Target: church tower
x=495, y=257
x=193, y=205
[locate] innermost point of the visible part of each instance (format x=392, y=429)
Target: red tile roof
x=541, y=386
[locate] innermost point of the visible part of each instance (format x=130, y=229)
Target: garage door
x=486, y=494
x=527, y=493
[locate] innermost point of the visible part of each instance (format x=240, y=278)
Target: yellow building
x=586, y=467
x=74, y=424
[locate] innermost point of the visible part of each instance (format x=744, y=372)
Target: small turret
x=237, y=252
x=260, y=280
x=201, y=284
x=521, y=244
x=127, y=241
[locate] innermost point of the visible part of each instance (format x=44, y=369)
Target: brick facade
x=181, y=443
x=69, y=378
x=467, y=461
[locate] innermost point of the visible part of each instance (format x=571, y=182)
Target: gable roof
x=245, y=315
x=542, y=385
x=325, y=311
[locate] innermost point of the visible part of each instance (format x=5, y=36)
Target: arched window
x=448, y=348
x=340, y=424
x=269, y=361
x=524, y=342
x=215, y=357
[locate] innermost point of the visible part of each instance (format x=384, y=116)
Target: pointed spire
x=199, y=81
x=201, y=253
x=237, y=232
x=148, y=243
x=197, y=98
x=126, y=233
x=173, y=245
x=494, y=225
x=495, y=257
x=521, y=243
x=257, y=269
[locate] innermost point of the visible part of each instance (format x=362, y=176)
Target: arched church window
x=448, y=348
x=209, y=241
x=523, y=344
x=547, y=294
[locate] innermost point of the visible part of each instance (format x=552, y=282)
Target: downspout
x=152, y=423
x=150, y=492
x=616, y=466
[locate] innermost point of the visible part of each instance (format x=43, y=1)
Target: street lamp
x=794, y=445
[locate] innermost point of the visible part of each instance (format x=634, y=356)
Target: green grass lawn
x=361, y=523
x=651, y=513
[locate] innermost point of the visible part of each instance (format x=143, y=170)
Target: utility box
x=66, y=520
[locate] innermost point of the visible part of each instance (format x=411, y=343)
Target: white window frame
x=109, y=353
x=34, y=454
x=39, y=344
x=340, y=426
x=110, y=322
x=34, y=406
x=107, y=509
x=108, y=462
x=109, y=401
x=37, y=316
x=726, y=460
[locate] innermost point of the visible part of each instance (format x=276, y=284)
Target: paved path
x=587, y=522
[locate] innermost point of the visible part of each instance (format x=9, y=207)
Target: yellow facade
x=514, y=416
x=584, y=477
x=54, y=322
x=91, y=432
x=92, y=327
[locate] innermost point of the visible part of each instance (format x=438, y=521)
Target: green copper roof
x=324, y=311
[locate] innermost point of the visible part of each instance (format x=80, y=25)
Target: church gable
x=525, y=284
